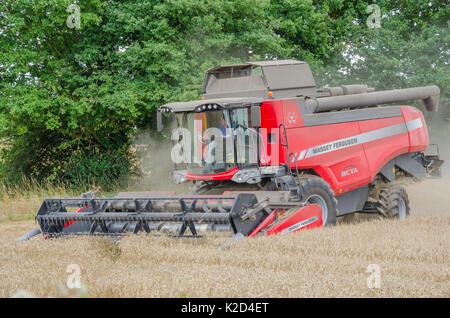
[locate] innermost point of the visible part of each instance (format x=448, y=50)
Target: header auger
x=241, y=213
x=269, y=153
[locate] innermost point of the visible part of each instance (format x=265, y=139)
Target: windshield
x=246, y=138
x=211, y=142
x=219, y=140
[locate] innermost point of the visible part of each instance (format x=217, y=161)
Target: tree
x=82, y=93
x=411, y=48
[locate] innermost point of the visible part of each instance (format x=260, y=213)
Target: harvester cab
x=256, y=120
x=270, y=153
x=220, y=135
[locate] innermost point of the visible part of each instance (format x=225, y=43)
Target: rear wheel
x=393, y=202
x=317, y=191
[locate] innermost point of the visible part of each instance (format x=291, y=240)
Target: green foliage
x=314, y=31
x=110, y=169
x=88, y=90
x=71, y=100
x=412, y=48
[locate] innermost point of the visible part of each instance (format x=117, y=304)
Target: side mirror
x=159, y=121
x=255, y=116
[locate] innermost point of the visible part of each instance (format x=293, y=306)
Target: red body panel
x=379, y=152
x=291, y=114
x=271, y=117
x=306, y=217
x=330, y=165
x=418, y=139
x=346, y=166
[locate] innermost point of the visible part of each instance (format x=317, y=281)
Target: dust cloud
x=433, y=195
x=155, y=164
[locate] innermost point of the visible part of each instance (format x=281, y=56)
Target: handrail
x=288, y=164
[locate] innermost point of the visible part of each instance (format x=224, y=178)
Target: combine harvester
x=269, y=153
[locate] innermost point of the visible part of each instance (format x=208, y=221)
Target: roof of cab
x=231, y=102
x=260, y=63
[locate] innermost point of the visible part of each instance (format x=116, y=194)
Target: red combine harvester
x=270, y=153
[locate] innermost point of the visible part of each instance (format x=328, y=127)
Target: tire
x=393, y=202
x=316, y=190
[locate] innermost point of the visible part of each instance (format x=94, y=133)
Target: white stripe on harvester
x=361, y=138
x=301, y=155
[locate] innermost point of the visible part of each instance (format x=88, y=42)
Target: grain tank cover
x=284, y=78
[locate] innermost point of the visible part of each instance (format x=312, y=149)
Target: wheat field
x=412, y=255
